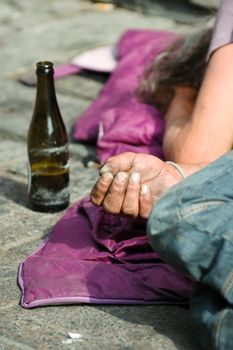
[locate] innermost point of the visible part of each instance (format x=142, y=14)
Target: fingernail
x=144, y=189
x=106, y=168
x=135, y=177
x=121, y=176
x=107, y=176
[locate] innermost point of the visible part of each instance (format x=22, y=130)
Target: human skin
x=204, y=133
x=198, y=131
x=130, y=183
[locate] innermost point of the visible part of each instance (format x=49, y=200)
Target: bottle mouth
x=44, y=66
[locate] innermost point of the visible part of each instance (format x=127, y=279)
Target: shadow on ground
x=165, y=320
x=14, y=191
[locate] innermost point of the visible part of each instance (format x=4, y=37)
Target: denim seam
x=217, y=329
x=228, y=285
x=198, y=207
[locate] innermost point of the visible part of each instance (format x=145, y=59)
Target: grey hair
x=182, y=63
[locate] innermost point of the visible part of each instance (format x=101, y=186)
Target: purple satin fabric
x=91, y=256
x=126, y=123
x=94, y=257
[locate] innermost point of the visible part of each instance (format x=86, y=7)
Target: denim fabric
x=191, y=228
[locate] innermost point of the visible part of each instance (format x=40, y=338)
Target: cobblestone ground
x=58, y=30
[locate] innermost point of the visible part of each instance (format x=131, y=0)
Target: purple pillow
x=124, y=122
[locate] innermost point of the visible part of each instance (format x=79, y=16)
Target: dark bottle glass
x=48, y=151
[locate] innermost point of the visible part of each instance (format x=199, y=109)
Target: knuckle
x=133, y=188
x=95, y=199
x=132, y=196
x=121, y=178
x=106, y=178
x=116, y=189
x=100, y=188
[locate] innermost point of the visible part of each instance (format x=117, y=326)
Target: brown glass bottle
x=48, y=151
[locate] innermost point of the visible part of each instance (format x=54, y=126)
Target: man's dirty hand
x=130, y=183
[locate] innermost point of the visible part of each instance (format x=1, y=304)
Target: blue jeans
x=191, y=228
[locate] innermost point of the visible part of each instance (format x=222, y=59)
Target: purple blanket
x=91, y=256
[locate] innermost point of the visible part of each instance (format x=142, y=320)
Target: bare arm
x=206, y=133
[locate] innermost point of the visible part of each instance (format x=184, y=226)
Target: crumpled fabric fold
x=91, y=256
x=94, y=257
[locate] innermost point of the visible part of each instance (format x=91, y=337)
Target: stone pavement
x=58, y=30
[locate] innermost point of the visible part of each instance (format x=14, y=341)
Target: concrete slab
x=58, y=30
x=102, y=327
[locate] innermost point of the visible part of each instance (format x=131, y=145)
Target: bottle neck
x=45, y=95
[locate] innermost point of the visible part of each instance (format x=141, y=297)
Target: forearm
x=177, y=117
x=208, y=133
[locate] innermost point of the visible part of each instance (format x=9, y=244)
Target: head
x=183, y=63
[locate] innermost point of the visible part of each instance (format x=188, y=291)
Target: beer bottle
x=48, y=151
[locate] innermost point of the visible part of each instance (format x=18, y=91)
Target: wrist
x=185, y=170
x=178, y=169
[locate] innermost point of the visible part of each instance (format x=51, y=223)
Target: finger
x=101, y=188
x=145, y=202
x=130, y=205
x=113, y=200
x=116, y=164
